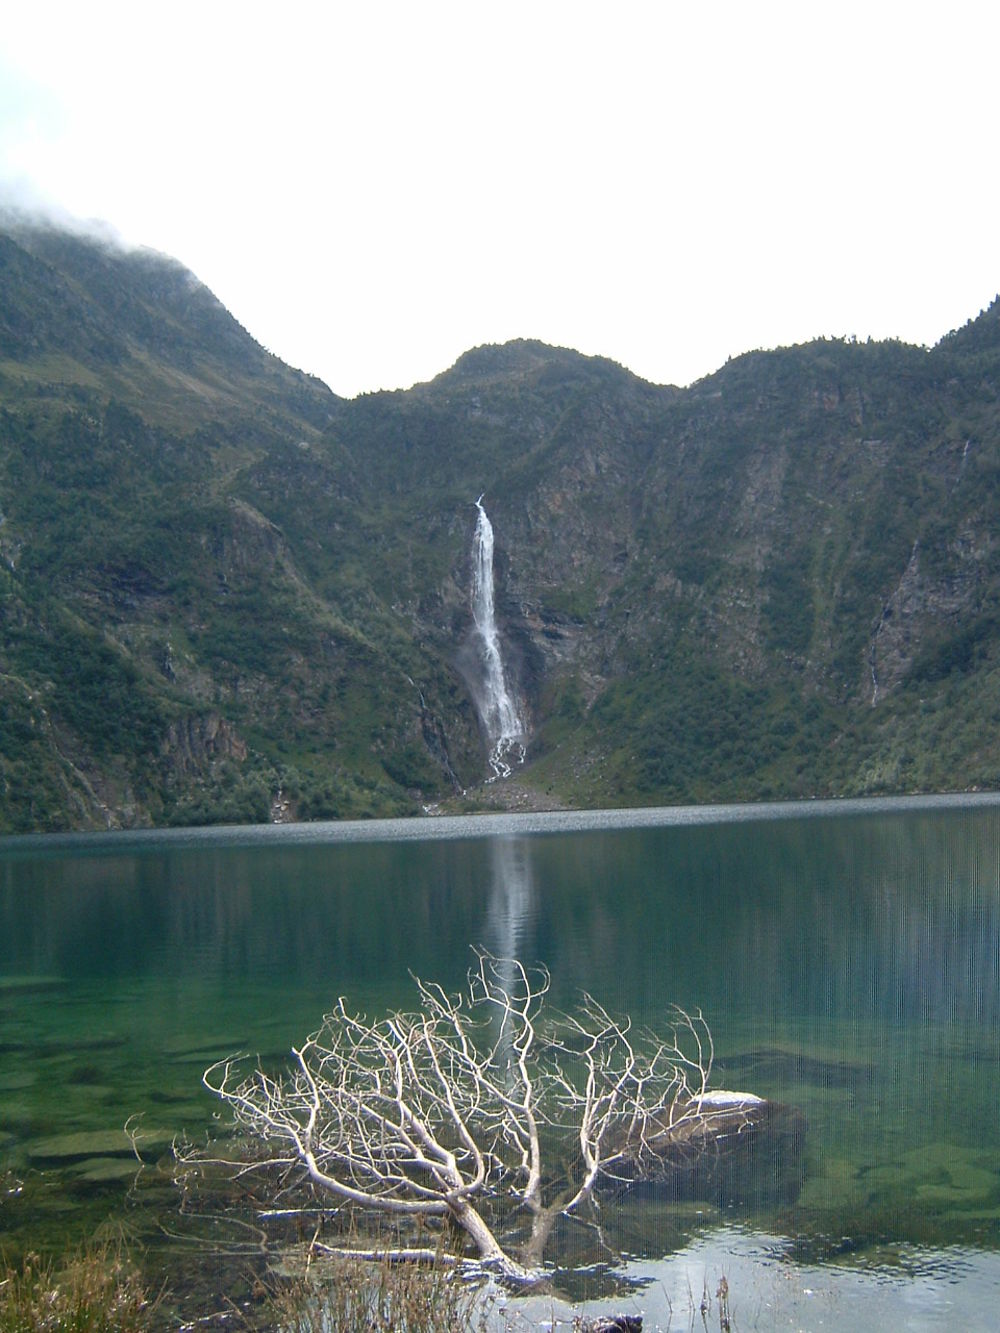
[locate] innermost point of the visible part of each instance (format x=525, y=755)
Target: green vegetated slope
x=226, y=594
x=167, y=654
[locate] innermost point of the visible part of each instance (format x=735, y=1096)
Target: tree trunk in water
x=490, y=1251
x=541, y=1228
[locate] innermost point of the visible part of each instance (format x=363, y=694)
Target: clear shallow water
x=846, y=957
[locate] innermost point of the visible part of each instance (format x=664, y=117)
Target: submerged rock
x=729, y=1147
x=28, y=985
x=107, y=1170
x=99, y=1143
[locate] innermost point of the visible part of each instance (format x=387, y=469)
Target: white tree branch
x=430, y=1113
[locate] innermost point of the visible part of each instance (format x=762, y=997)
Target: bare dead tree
x=442, y=1111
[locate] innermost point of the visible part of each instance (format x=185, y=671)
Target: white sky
x=372, y=188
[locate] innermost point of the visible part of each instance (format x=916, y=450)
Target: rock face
x=194, y=744
x=222, y=587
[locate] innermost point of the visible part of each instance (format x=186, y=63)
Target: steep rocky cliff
x=227, y=594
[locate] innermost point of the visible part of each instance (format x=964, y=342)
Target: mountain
x=228, y=594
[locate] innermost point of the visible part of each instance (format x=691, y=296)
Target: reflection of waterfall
x=510, y=914
x=498, y=705
x=512, y=897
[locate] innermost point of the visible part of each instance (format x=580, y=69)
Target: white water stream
x=499, y=710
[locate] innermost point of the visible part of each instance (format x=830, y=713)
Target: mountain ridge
x=229, y=594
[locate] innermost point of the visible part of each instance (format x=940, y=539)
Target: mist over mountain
x=228, y=594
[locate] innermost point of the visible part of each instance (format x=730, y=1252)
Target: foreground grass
x=379, y=1298
x=95, y=1291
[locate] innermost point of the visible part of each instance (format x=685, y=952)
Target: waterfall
x=498, y=706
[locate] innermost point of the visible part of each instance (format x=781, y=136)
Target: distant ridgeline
x=227, y=594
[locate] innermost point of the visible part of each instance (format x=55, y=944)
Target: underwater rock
x=107, y=1170
x=737, y=1149
x=790, y=1067
x=80, y=1145
x=836, y=1184
x=28, y=985
x=18, y=1080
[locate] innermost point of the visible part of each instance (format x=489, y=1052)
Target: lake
x=846, y=956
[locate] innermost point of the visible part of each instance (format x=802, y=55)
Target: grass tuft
x=380, y=1297
x=93, y=1292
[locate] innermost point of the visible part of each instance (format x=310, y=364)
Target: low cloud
x=24, y=206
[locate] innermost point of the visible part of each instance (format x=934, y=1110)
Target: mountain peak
x=105, y=308
x=530, y=360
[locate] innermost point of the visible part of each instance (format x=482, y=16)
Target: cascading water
x=498, y=705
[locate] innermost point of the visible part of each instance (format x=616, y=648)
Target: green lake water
x=846, y=957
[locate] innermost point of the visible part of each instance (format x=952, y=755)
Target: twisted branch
x=431, y=1113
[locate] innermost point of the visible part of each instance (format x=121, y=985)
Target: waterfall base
x=506, y=755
